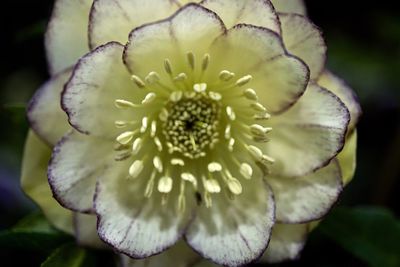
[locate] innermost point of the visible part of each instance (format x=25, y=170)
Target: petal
x=347, y=158
x=76, y=162
x=279, y=78
x=306, y=198
x=179, y=255
x=234, y=232
x=45, y=115
x=132, y=223
x=287, y=241
x=34, y=183
x=66, y=36
x=345, y=93
x=85, y=231
x=303, y=39
x=191, y=29
x=98, y=80
x=257, y=12
x=113, y=20
x=290, y=6
x=309, y=134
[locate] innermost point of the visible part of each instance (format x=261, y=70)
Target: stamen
x=200, y=87
x=122, y=124
x=258, y=107
x=149, y=98
x=191, y=59
x=137, y=144
x=255, y=152
x=176, y=96
x=264, y=116
x=234, y=186
x=153, y=128
x=206, y=61
x=214, y=167
x=259, y=130
x=231, y=114
x=158, y=164
x=215, y=96
x=163, y=116
x=152, y=77
x=123, y=156
x=226, y=75
x=120, y=103
x=181, y=198
x=180, y=77
x=145, y=123
x=158, y=143
x=190, y=178
x=228, y=131
x=168, y=66
x=138, y=81
x=212, y=186
x=250, y=94
x=176, y=161
x=125, y=137
x=136, y=168
x=244, y=80
x=246, y=170
x=231, y=144
x=165, y=184
x=150, y=185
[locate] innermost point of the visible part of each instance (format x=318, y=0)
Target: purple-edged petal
x=132, y=223
x=85, y=231
x=309, y=134
x=290, y=6
x=345, y=93
x=76, y=162
x=306, y=198
x=347, y=158
x=257, y=12
x=45, y=115
x=278, y=78
x=34, y=183
x=192, y=29
x=179, y=255
x=234, y=232
x=66, y=36
x=303, y=39
x=113, y=20
x=98, y=80
x=287, y=241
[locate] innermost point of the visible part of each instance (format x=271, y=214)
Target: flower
x=205, y=121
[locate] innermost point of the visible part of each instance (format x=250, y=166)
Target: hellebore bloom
x=213, y=122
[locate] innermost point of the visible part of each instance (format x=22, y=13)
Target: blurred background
x=363, y=48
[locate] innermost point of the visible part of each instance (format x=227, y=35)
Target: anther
x=246, y=170
x=122, y=156
x=165, y=184
x=152, y=77
x=234, y=186
x=258, y=107
x=158, y=164
x=231, y=144
x=145, y=123
x=259, y=130
x=136, y=145
x=214, y=167
x=228, y=131
x=255, y=152
x=190, y=178
x=215, y=96
x=250, y=94
x=176, y=96
x=244, y=80
x=168, y=66
x=226, y=75
x=138, y=81
x=163, y=116
x=267, y=159
x=136, y=168
x=153, y=128
x=180, y=77
x=200, y=87
x=158, y=143
x=212, y=186
x=176, y=161
x=121, y=124
x=149, y=98
x=120, y=103
x=231, y=114
x=191, y=59
x=264, y=116
x=125, y=137
x=206, y=61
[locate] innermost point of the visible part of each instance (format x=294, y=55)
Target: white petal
x=113, y=20
x=286, y=243
x=35, y=185
x=306, y=198
x=290, y=6
x=257, y=12
x=191, y=29
x=234, y=232
x=303, y=39
x=133, y=224
x=45, y=115
x=85, y=231
x=179, y=255
x=278, y=78
x=66, y=36
x=344, y=92
x=98, y=80
x=76, y=162
x=309, y=134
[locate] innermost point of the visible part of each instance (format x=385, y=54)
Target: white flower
x=209, y=124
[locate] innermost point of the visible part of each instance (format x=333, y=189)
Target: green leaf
x=33, y=233
x=69, y=255
x=370, y=233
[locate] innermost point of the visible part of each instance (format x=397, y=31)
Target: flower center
x=195, y=131
x=192, y=124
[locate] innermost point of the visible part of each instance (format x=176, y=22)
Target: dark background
x=363, y=40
